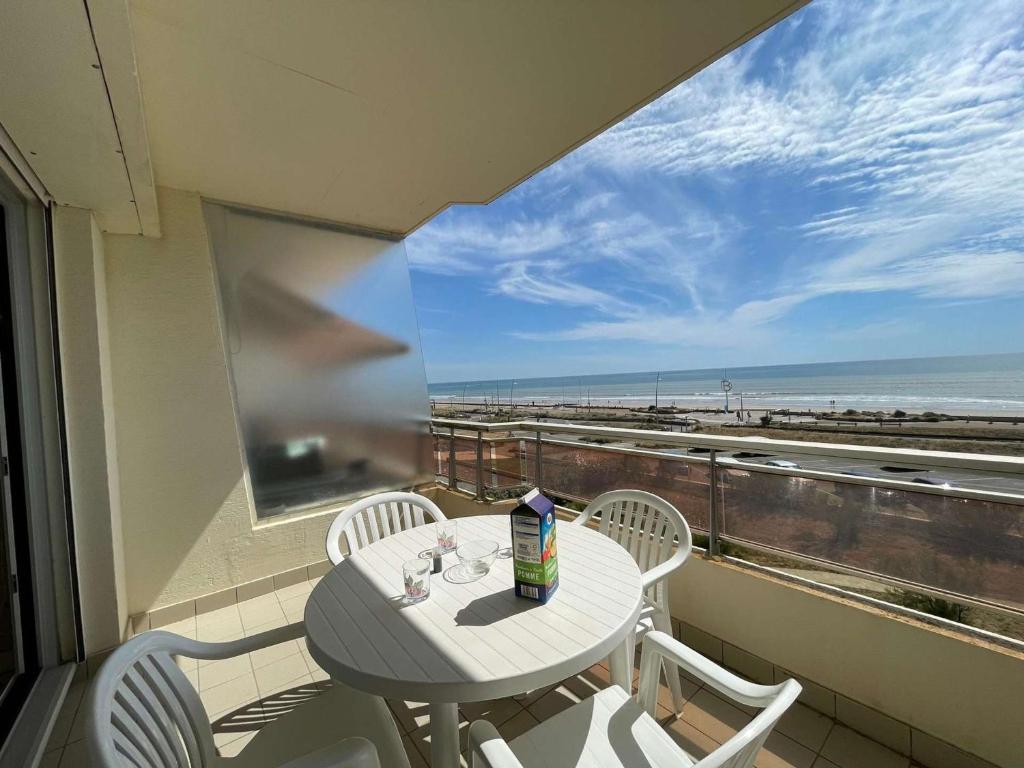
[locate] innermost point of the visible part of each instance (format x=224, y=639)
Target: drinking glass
x=417, y=579
x=447, y=535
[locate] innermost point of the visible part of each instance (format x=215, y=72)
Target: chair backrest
x=144, y=711
x=377, y=516
x=742, y=748
x=645, y=524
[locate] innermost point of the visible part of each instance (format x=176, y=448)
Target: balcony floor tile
x=805, y=726
x=245, y=693
x=848, y=749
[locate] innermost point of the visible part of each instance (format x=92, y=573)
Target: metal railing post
x=510, y=467
x=713, y=547
x=538, y=468
x=453, y=479
x=480, y=465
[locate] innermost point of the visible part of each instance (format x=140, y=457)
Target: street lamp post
x=511, y=399
x=726, y=387
x=657, y=382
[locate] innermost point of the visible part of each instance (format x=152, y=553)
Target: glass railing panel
x=465, y=460
x=891, y=536
x=440, y=455
x=505, y=463
x=968, y=546
x=580, y=472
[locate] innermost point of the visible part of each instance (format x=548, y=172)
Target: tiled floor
x=243, y=693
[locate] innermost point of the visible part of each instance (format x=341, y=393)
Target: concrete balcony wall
x=188, y=527
x=79, y=266
x=163, y=514
x=957, y=689
x=915, y=687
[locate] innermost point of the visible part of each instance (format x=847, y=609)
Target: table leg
x=620, y=667
x=444, y=735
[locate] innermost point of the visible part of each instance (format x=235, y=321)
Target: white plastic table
x=471, y=641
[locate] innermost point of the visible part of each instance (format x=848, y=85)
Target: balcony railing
x=960, y=544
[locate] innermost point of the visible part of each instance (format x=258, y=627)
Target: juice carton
x=534, y=550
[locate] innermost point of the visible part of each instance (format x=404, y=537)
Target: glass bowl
x=477, y=556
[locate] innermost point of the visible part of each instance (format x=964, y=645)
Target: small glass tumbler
x=417, y=579
x=447, y=535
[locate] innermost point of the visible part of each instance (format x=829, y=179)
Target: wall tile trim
x=876, y=725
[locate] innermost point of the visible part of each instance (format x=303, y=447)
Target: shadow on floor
x=256, y=714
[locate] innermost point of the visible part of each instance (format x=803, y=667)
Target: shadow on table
x=492, y=608
x=399, y=602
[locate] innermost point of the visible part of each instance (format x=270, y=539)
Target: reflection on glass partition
x=575, y=471
x=325, y=357
x=968, y=546
x=580, y=472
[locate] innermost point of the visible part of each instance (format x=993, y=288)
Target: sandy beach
x=994, y=434
x=756, y=405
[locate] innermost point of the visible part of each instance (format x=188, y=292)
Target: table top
x=470, y=641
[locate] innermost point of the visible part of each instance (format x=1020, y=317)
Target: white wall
x=187, y=523
x=961, y=690
x=91, y=440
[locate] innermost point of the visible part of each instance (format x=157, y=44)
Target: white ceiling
x=375, y=113
x=55, y=103
x=380, y=114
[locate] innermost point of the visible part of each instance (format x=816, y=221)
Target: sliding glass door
x=18, y=660
x=39, y=626
x=9, y=649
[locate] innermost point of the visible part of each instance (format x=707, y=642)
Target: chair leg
x=663, y=623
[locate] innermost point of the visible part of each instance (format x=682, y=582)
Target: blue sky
x=848, y=185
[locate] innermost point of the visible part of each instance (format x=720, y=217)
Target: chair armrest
x=662, y=571
x=487, y=749
x=658, y=646
x=198, y=649
x=354, y=752
x=773, y=700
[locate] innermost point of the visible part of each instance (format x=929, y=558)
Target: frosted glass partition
x=324, y=350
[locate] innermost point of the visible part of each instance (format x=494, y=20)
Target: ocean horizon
x=983, y=384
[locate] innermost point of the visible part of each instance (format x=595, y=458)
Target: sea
x=974, y=384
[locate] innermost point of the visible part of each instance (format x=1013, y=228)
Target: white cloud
x=762, y=311
x=913, y=110
x=551, y=288
x=449, y=246
x=950, y=276
x=698, y=328
x=955, y=275
x=882, y=97
x=900, y=125
x=659, y=256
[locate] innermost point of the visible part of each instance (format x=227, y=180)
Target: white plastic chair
x=648, y=527
x=146, y=714
x=378, y=516
x=612, y=729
